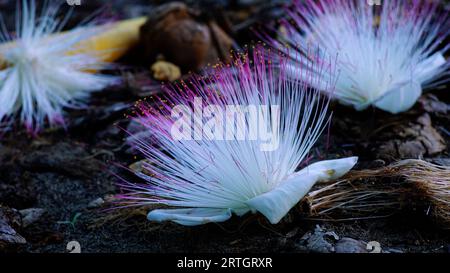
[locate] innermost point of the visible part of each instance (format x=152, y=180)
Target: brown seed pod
x=175, y=31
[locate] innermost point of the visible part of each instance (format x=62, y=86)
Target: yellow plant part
x=115, y=40
x=112, y=41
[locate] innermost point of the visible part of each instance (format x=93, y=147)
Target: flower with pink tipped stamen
x=205, y=175
x=41, y=74
x=386, y=54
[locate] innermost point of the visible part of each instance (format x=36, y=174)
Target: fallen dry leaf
x=414, y=140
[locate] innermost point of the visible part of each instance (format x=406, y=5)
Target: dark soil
x=63, y=171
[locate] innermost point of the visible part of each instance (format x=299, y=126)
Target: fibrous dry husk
x=407, y=184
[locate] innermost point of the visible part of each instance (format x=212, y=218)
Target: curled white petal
x=429, y=67
x=400, y=98
x=191, y=216
x=275, y=204
x=330, y=169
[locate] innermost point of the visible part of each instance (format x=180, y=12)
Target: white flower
x=209, y=179
x=385, y=57
x=41, y=73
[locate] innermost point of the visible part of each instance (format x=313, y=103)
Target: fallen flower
x=386, y=55
x=44, y=70
x=209, y=177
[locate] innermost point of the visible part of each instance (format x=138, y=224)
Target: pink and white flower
x=205, y=180
x=40, y=73
x=385, y=54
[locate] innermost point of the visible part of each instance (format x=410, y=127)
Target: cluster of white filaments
x=210, y=179
x=42, y=73
x=386, y=54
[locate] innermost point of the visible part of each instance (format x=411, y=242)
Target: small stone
x=10, y=220
x=31, y=215
x=96, y=203
x=165, y=71
x=319, y=241
x=349, y=245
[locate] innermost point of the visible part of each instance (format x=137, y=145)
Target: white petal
x=190, y=217
x=330, y=169
x=276, y=203
x=240, y=211
x=428, y=68
x=400, y=98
